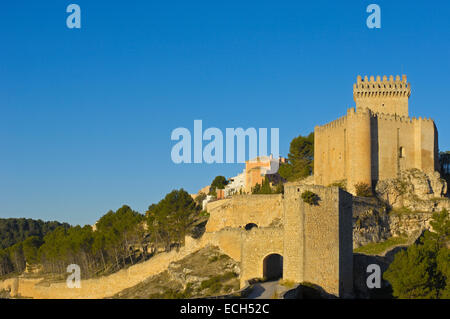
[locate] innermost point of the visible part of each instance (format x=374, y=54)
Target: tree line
x=119, y=238
x=14, y=230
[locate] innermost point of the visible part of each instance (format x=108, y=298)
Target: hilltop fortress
x=285, y=235
x=377, y=140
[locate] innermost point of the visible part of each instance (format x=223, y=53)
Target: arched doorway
x=273, y=267
x=250, y=226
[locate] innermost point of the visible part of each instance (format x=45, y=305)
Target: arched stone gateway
x=312, y=243
x=273, y=267
x=250, y=226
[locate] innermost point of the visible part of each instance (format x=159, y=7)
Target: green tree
x=30, y=249
x=265, y=188
x=171, y=218
x=219, y=182
x=15, y=230
x=120, y=231
x=300, y=161
x=422, y=271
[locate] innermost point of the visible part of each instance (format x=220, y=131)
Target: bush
x=310, y=197
x=342, y=184
x=363, y=190
x=215, y=284
x=299, y=163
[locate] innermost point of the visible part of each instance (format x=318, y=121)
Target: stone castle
x=377, y=140
x=283, y=235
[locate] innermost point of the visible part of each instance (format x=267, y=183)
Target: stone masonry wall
x=323, y=242
x=243, y=209
x=258, y=243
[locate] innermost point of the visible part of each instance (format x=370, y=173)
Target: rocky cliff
x=415, y=190
x=403, y=207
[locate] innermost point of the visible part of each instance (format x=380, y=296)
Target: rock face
x=374, y=226
x=415, y=190
x=373, y=222
x=200, y=266
x=371, y=226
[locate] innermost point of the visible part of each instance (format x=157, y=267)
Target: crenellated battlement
x=381, y=87
x=357, y=114
x=382, y=95
x=340, y=122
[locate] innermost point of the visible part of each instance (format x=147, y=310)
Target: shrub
x=215, y=284
x=310, y=197
x=363, y=190
x=342, y=184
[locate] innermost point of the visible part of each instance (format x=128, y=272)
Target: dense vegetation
x=122, y=237
x=423, y=270
x=171, y=219
x=300, y=159
x=15, y=230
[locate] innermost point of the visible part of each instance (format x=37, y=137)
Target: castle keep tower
x=376, y=140
x=382, y=96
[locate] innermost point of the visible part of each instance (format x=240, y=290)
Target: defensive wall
x=238, y=211
x=313, y=243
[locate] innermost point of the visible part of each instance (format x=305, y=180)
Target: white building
x=209, y=198
x=236, y=184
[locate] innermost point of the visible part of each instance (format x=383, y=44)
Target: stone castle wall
x=228, y=240
x=257, y=244
x=240, y=210
x=318, y=238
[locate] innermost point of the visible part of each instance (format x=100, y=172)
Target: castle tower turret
x=385, y=95
x=359, y=164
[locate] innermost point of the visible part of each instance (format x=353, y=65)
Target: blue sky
x=86, y=115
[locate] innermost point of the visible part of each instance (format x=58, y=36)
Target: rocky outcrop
x=373, y=222
x=204, y=273
x=415, y=190
x=371, y=226
x=198, y=267
x=410, y=224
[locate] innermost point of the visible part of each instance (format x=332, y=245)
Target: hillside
x=207, y=272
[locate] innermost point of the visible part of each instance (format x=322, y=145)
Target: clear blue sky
x=86, y=115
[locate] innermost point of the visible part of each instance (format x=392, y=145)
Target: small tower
x=385, y=95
